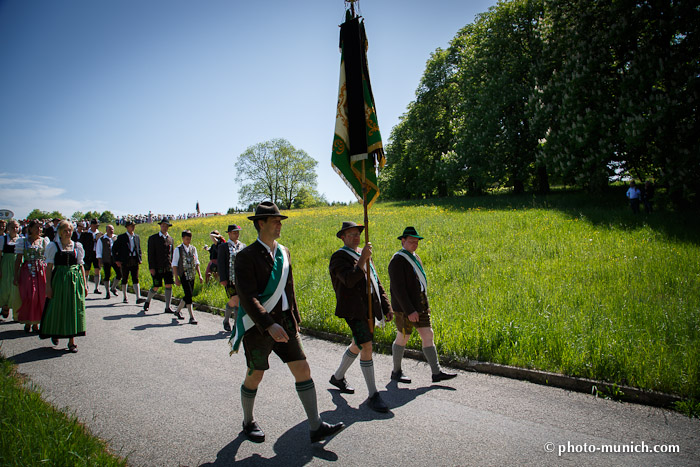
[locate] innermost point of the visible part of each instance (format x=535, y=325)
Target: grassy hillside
x=564, y=283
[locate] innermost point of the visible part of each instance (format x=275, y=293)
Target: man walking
x=268, y=321
x=348, y=270
x=225, y=261
x=89, y=241
x=160, y=257
x=409, y=299
x=127, y=255
x=105, y=259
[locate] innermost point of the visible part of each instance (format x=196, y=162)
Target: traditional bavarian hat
x=349, y=225
x=410, y=232
x=233, y=228
x=266, y=209
x=165, y=220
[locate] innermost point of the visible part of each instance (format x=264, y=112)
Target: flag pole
x=369, y=264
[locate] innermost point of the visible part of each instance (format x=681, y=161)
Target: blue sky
x=143, y=105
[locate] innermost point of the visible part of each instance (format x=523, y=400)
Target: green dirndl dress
x=9, y=292
x=64, y=315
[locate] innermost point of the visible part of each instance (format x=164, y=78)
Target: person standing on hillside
x=185, y=264
x=634, y=196
x=409, y=299
x=268, y=321
x=160, y=258
x=127, y=256
x=106, y=260
x=226, y=260
x=348, y=270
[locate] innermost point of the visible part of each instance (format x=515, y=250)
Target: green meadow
x=566, y=282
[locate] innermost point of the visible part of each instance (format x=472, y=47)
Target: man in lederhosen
x=268, y=321
x=409, y=299
x=160, y=257
x=89, y=241
x=348, y=270
x=226, y=259
x=127, y=255
x=105, y=259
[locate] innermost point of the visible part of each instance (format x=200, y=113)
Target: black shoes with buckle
x=342, y=384
x=253, y=431
x=325, y=430
x=400, y=377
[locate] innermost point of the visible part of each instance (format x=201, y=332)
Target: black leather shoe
x=400, y=377
x=325, y=430
x=442, y=376
x=377, y=404
x=108, y=295
x=342, y=384
x=178, y=315
x=145, y=306
x=253, y=432
x=168, y=310
x=193, y=321
x=227, y=326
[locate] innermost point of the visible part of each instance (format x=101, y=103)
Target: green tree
x=78, y=215
x=274, y=170
x=309, y=198
x=106, y=217
x=90, y=215
x=38, y=214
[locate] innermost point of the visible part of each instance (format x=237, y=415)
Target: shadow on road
x=140, y=314
x=14, y=334
x=143, y=327
x=212, y=337
x=292, y=449
x=40, y=353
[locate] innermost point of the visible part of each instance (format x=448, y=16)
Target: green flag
x=357, y=144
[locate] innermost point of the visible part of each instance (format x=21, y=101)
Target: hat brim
x=340, y=232
x=264, y=216
x=409, y=235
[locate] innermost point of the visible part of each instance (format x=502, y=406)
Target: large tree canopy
x=276, y=171
x=567, y=89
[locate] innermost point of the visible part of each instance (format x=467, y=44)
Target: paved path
x=165, y=393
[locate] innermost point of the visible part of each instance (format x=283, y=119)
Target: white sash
x=373, y=277
x=416, y=268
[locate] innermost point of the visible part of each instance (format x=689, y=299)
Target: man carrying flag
x=268, y=321
x=348, y=268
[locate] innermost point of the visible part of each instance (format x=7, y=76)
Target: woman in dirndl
x=30, y=276
x=66, y=287
x=9, y=293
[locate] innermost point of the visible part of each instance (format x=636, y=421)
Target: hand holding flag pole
x=357, y=135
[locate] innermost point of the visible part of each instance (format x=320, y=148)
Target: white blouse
x=51, y=250
x=19, y=247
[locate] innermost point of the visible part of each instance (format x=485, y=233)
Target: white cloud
x=21, y=193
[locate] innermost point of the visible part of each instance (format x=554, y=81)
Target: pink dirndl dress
x=32, y=281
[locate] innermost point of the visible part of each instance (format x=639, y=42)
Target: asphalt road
x=166, y=393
